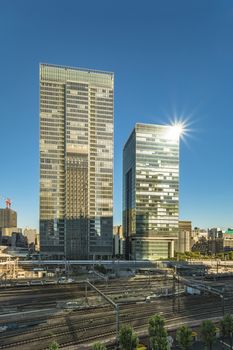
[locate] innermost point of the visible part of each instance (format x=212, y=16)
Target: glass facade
x=151, y=192
x=76, y=162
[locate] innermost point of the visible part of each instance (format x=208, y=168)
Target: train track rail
x=100, y=331
x=7, y=299
x=139, y=316
x=75, y=319
x=95, y=323
x=104, y=308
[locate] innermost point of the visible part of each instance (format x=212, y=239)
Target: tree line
x=159, y=339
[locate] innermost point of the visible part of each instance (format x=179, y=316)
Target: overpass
x=106, y=263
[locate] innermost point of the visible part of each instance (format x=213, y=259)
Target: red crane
x=7, y=201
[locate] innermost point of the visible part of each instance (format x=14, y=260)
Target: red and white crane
x=7, y=202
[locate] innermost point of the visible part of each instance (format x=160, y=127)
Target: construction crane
x=7, y=201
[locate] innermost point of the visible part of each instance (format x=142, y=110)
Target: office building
x=118, y=246
x=228, y=240
x=183, y=243
x=31, y=235
x=151, y=191
x=8, y=218
x=8, y=231
x=118, y=241
x=214, y=232
x=118, y=230
x=220, y=241
x=76, y=162
x=6, y=234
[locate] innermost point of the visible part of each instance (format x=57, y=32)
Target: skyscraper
x=151, y=191
x=76, y=162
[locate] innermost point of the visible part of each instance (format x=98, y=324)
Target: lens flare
x=175, y=131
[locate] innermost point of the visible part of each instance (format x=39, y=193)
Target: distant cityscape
x=22, y=243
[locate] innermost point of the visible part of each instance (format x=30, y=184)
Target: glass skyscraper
x=76, y=162
x=151, y=192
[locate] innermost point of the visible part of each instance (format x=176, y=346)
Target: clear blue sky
x=168, y=57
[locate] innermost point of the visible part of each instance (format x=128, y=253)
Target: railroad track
x=74, y=292
x=104, y=335
x=140, y=316
x=100, y=331
x=58, y=290
x=105, y=308
x=51, y=301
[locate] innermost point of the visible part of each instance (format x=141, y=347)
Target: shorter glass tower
x=151, y=192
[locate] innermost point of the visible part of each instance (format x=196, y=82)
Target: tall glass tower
x=76, y=162
x=151, y=191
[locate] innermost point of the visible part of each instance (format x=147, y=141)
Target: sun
x=175, y=131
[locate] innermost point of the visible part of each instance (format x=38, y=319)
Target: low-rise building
x=217, y=241
x=228, y=239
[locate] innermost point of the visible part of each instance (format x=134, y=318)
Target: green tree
x=208, y=333
x=157, y=333
x=98, y=346
x=226, y=325
x=128, y=339
x=184, y=337
x=54, y=346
